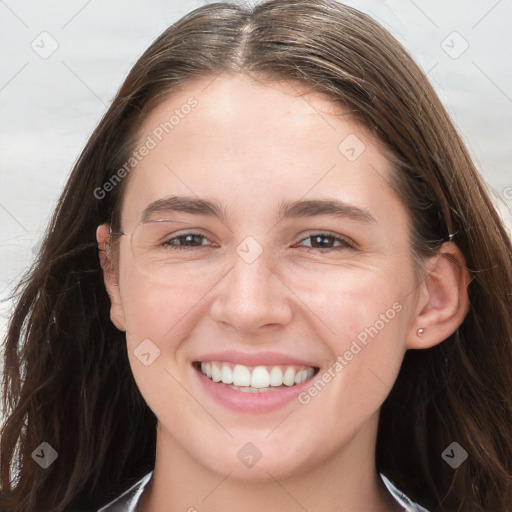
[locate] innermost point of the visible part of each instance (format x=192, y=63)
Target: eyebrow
x=295, y=209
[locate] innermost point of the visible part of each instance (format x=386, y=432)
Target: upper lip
x=253, y=358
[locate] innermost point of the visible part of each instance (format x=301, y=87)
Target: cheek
x=157, y=310
x=365, y=314
x=349, y=298
x=156, y=324
x=159, y=318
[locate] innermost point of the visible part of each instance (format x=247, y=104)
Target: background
x=63, y=62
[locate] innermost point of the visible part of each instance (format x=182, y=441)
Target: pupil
x=318, y=239
x=189, y=238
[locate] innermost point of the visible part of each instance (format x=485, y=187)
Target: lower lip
x=251, y=402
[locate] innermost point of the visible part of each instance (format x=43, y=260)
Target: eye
x=186, y=241
x=325, y=241
x=319, y=241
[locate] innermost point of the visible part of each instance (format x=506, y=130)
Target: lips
x=253, y=382
x=254, y=358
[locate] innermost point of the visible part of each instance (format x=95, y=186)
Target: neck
x=346, y=481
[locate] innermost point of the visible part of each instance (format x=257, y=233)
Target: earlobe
x=109, y=276
x=443, y=300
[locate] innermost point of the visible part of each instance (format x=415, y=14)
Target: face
x=276, y=282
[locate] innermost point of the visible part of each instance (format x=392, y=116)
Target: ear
x=443, y=299
x=109, y=276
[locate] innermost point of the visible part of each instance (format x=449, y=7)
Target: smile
x=255, y=379
x=253, y=389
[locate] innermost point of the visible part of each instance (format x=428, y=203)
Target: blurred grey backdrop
x=62, y=63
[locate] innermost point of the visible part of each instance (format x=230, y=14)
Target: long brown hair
x=67, y=379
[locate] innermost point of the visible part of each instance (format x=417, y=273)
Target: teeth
x=206, y=368
x=249, y=389
x=216, y=373
x=276, y=377
x=227, y=374
x=301, y=376
x=289, y=376
x=257, y=378
x=241, y=375
x=260, y=377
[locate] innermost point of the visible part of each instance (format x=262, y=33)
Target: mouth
x=255, y=379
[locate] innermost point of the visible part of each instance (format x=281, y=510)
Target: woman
x=274, y=280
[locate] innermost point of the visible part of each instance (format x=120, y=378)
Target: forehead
x=251, y=142
x=245, y=109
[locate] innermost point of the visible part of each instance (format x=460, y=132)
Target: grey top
x=128, y=501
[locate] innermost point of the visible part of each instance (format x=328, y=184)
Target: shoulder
x=127, y=502
x=401, y=498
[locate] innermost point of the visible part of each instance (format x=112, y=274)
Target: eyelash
x=346, y=243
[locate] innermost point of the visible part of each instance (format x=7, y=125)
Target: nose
x=252, y=297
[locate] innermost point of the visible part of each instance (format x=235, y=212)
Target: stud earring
x=420, y=331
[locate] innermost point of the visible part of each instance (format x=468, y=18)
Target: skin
x=250, y=146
